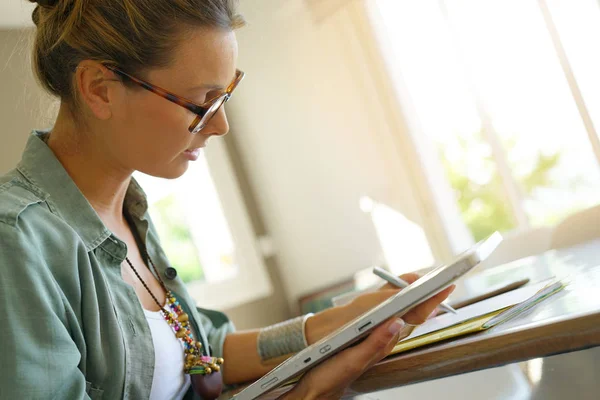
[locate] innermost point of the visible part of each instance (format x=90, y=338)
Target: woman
x=92, y=307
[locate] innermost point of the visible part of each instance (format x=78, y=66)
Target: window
x=206, y=233
x=507, y=94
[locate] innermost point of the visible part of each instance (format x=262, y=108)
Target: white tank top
x=169, y=382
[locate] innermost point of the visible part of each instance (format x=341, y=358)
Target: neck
x=100, y=179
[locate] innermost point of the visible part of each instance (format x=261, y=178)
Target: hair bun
x=45, y=3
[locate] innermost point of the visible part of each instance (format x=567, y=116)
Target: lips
x=192, y=154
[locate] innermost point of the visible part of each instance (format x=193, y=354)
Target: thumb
x=383, y=339
x=380, y=342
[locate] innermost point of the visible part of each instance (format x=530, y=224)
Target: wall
x=273, y=308
x=23, y=105
x=315, y=137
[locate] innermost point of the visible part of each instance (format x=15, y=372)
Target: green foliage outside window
x=176, y=238
x=484, y=205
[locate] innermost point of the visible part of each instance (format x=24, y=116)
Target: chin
x=168, y=171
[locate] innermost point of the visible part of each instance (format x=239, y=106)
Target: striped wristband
x=283, y=338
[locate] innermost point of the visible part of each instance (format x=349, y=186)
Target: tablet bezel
x=424, y=288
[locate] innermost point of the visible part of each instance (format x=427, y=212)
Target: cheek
x=158, y=128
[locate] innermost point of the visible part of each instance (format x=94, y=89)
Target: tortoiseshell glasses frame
x=204, y=112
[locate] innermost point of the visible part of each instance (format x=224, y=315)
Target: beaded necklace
x=204, y=371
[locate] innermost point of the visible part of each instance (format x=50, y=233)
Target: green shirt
x=71, y=327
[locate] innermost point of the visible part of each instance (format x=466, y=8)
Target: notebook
x=480, y=316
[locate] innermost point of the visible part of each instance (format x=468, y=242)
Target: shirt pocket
x=94, y=392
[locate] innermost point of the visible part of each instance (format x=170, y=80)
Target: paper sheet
x=475, y=310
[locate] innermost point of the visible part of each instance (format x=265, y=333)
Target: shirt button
x=171, y=273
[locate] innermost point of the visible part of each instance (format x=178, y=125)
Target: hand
x=329, y=320
x=330, y=379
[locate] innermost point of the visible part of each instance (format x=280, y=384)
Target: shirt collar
x=136, y=202
x=40, y=166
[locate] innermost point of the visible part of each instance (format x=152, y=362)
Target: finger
x=380, y=349
x=410, y=277
x=370, y=300
x=420, y=313
x=434, y=313
x=416, y=316
x=329, y=379
x=355, y=360
x=401, y=335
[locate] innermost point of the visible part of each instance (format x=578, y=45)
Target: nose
x=217, y=125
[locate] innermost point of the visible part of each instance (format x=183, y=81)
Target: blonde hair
x=133, y=34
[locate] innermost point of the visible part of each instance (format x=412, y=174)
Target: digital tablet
x=396, y=306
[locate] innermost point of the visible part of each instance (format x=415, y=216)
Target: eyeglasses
x=204, y=112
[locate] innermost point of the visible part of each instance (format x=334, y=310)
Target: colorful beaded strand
x=195, y=362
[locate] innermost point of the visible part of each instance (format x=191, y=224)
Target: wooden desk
x=567, y=322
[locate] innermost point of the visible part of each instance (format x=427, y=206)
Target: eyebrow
x=209, y=86
x=212, y=86
x=206, y=86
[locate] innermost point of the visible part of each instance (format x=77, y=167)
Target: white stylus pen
x=394, y=280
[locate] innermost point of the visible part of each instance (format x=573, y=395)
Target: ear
x=94, y=83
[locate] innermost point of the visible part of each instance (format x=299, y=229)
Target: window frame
x=430, y=184
x=252, y=282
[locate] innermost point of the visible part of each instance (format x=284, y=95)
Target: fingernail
x=396, y=326
x=433, y=314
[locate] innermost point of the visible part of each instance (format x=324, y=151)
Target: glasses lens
x=201, y=122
